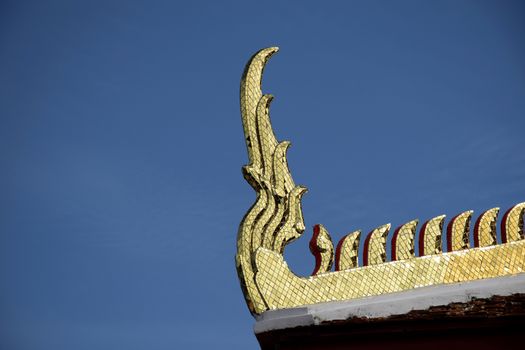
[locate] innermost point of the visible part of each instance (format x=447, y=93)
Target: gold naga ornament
x=275, y=219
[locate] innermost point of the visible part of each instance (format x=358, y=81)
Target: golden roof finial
x=275, y=219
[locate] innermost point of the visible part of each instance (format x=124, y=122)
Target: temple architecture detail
x=342, y=272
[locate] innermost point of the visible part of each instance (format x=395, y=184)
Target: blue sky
x=121, y=147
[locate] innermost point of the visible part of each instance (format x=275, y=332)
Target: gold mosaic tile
x=403, y=241
x=458, y=231
x=512, y=224
x=346, y=255
x=275, y=219
x=430, y=236
x=485, y=228
x=322, y=248
x=374, y=251
x=282, y=289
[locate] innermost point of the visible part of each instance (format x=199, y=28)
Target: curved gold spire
x=374, y=251
x=512, y=224
x=276, y=218
x=251, y=94
x=485, y=228
x=347, y=252
x=458, y=231
x=403, y=241
x=430, y=236
x=322, y=248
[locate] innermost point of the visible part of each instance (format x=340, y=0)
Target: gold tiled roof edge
x=275, y=219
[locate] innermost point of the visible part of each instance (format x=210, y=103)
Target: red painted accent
x=315, y=251
x=338, y=253
x=476, y=229
x=421, y=244
x=449, y=232
x=365, y=248
x=504, y=226
x=394, y=241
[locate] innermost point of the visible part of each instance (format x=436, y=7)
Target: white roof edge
x=389, y=304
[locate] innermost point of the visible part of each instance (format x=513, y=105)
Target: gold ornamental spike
x=293, y=225
x=430, y=236
x=374, y=251
x=458, y=230
x=251, y=93
x=322, y=248
x=512, y=224
x=265, y=134
x=258, y=232
x=275, y=203
x=403, y=241
x=485, y=228
x=346, y=253
x=282, y=177
x=275, y=219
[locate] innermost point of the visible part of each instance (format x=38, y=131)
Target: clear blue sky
x=121, y=147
